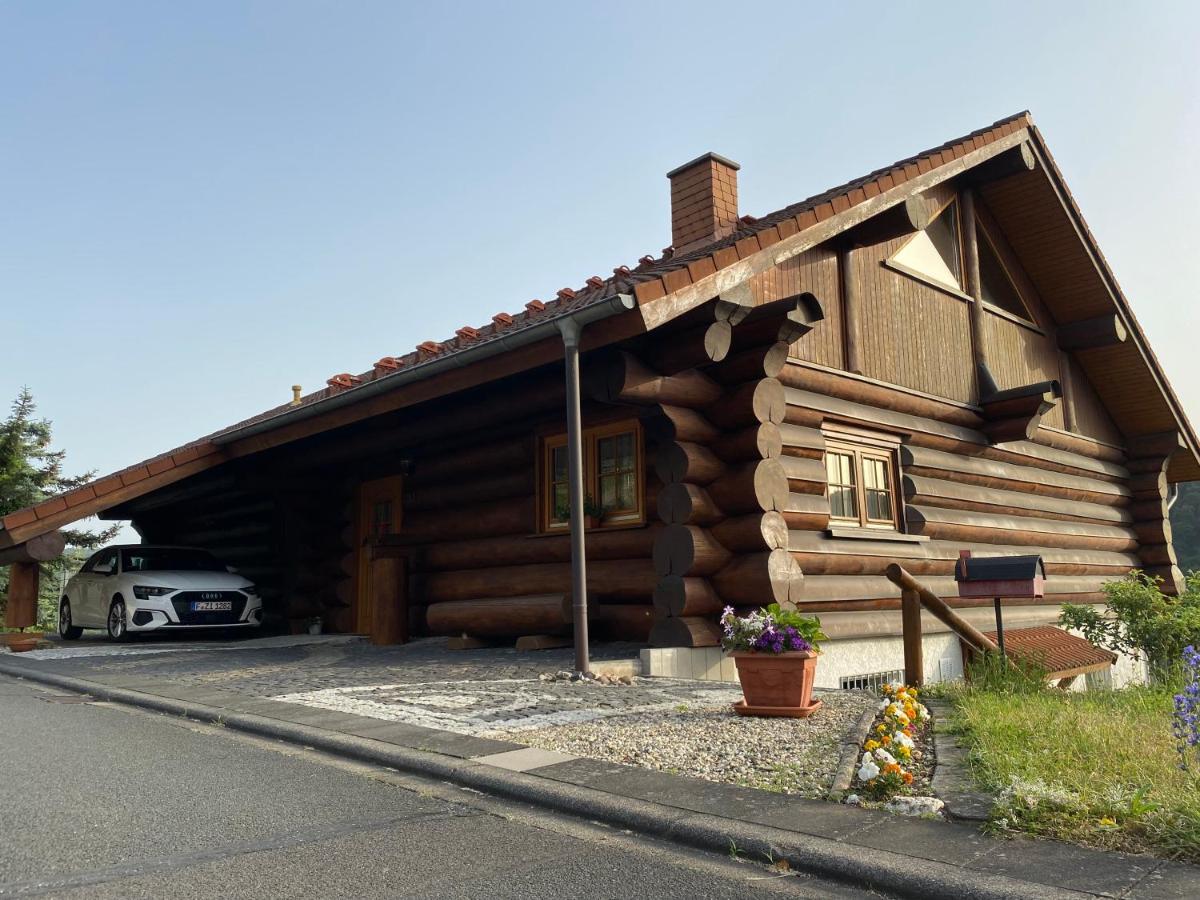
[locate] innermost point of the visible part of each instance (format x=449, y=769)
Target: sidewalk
x=910, y=857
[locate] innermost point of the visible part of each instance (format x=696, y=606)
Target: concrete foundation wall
x=855, y=657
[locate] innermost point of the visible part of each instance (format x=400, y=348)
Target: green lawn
x=1098, y=768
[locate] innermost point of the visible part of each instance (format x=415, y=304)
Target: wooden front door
x=379, y=509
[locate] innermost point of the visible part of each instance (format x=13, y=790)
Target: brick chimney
x=704, y=203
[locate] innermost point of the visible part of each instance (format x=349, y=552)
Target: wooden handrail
x=914, y=595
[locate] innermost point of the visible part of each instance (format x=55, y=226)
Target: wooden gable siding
x=916, y=336
x=911, y=333
x=815, y=271
x=1017, y=355
x=1029, y=210
x=1091, y=416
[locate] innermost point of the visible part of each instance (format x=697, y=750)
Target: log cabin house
x=930, y=358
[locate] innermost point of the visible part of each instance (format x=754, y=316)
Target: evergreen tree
x=30, y=472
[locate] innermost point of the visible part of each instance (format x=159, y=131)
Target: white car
x=135, y=589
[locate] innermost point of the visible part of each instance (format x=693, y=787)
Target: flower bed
x=891, y=757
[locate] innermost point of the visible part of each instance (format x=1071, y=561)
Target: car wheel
x=118, y=630
x=66, y=630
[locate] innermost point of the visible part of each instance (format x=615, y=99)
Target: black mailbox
x=1000, y=576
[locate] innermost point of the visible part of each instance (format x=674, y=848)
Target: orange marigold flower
x=908, y=777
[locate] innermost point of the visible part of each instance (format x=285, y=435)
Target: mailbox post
x=997, y=577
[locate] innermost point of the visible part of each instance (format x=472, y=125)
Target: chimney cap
x=705, y=157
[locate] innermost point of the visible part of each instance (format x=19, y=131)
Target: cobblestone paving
x=513, y=706
x=672, y=725
x=422, y=683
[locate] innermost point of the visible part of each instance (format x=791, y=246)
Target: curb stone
x=825, y=857
x=952, y=782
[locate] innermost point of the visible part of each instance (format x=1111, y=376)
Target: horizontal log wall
x=1091, y=519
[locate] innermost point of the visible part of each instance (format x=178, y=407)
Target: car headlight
x=145, y=592
x=250, y=590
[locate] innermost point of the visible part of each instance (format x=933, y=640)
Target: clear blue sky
x=202, y=203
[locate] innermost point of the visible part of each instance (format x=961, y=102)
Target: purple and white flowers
x=770, y=630
x=1185, y=721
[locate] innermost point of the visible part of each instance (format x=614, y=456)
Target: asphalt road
x=106, y=801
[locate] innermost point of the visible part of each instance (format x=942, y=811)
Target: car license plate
x=212, y=606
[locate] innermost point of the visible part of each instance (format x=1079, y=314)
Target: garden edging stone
x=851, y=749
x=952, y=781
x=842, y=850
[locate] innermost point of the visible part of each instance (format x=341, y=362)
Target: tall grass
x=1098, y=768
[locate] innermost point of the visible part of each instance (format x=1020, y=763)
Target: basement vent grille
x=872, y=681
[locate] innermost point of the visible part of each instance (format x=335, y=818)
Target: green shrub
x=1141, y=621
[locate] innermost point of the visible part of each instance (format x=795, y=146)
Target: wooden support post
x=914, y=656
x=850, y=317
x=977, y=639
x=1068, y=392
x=389, y=605
x=971, y=252
x=23, y=579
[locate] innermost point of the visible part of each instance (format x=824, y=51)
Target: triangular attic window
x=934, y=252
x=995, y=285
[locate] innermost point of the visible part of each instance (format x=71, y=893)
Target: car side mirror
x=232, y=570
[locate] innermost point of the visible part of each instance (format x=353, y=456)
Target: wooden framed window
x=862, y=473
x=557, y=490
x=613, y=481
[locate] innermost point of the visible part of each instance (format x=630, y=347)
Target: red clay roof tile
x=47, y=508
x=134, y=475
x=159, y=464
x=79, y=495
x=20, y=517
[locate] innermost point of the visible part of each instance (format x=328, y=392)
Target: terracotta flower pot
x=22, y=644
x=777, y=684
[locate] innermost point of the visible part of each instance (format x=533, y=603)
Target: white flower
x=868, y=769
x=903, y=739
x=884, y=757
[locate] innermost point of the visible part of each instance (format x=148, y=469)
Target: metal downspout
x=571, y=330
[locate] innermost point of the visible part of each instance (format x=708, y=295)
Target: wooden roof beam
x=1016, y=160
x=1090, y=334
x=908, y=216
x=1016, y=413
x=42, y=548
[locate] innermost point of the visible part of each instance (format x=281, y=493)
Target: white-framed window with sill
x=863, y=473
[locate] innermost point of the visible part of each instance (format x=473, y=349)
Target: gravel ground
x=791, y=756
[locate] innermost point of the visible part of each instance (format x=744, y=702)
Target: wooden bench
x=1063, y=655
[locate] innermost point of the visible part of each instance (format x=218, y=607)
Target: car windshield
x=162, y=559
